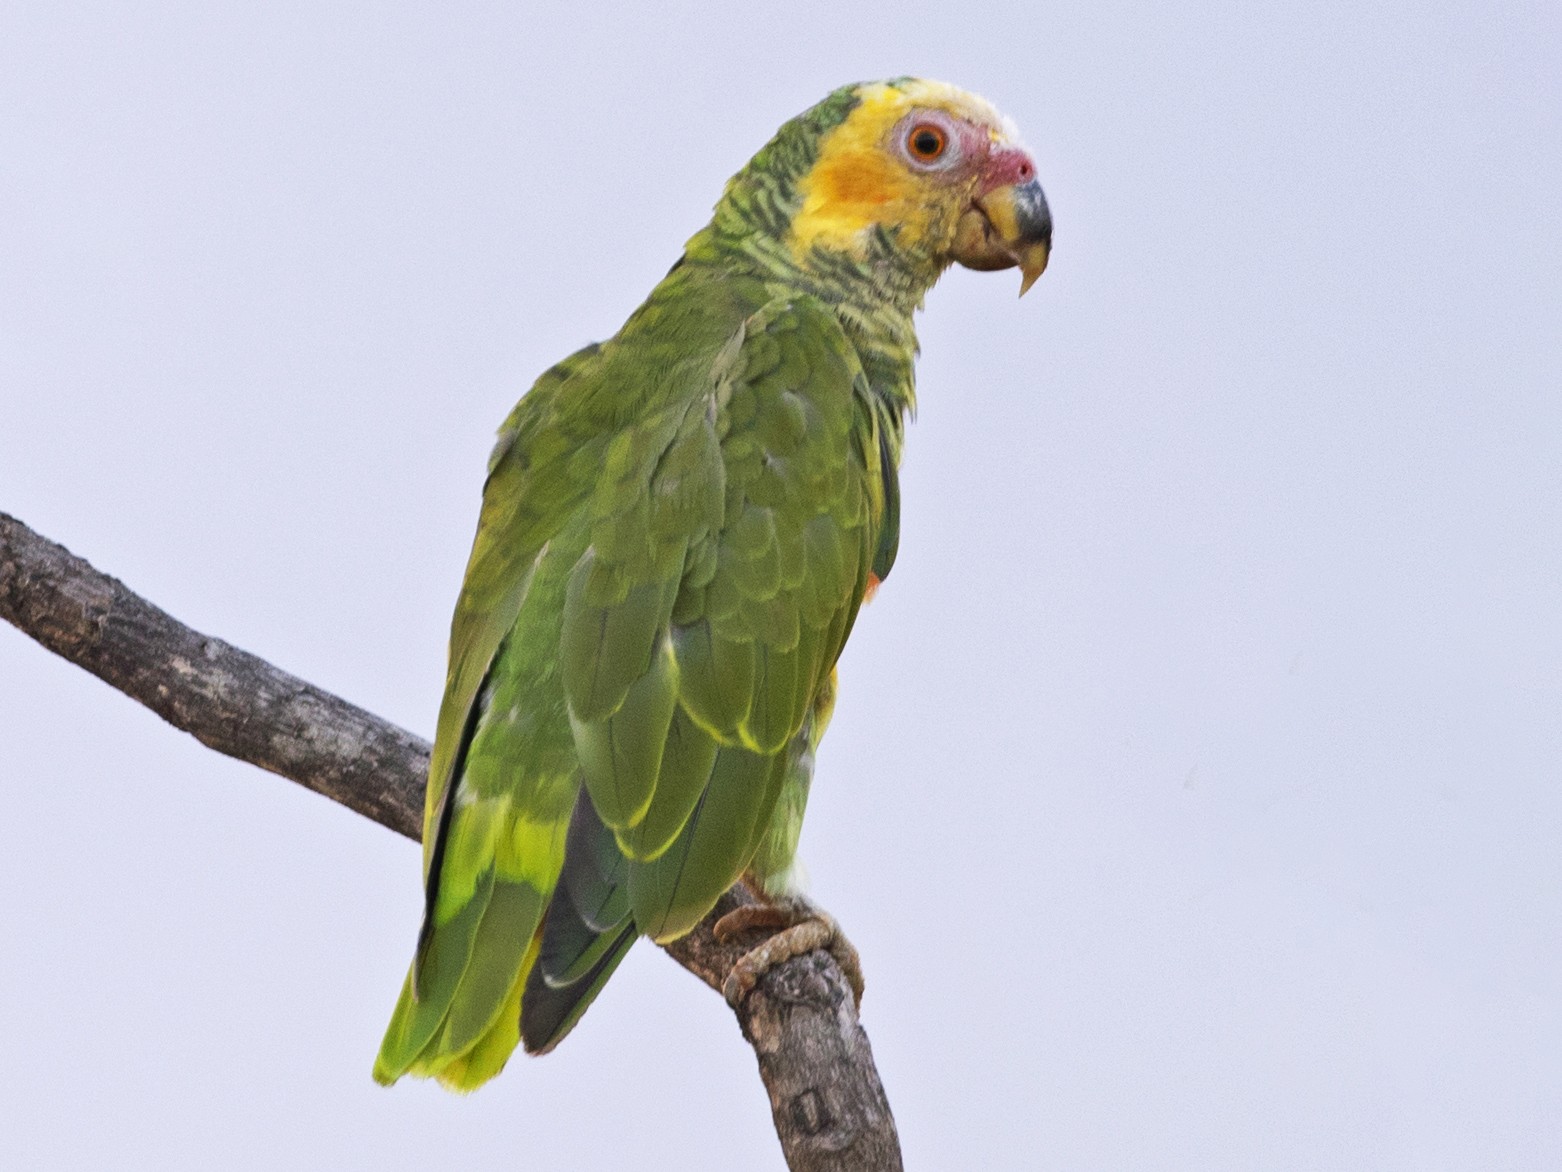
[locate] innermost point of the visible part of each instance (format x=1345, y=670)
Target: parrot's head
x=908, y=175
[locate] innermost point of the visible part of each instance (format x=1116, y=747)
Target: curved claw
x=798, y=929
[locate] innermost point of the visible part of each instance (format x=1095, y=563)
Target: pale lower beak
x=1007, y=227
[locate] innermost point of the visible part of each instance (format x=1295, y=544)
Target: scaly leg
x=798, y=927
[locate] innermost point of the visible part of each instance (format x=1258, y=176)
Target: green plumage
x=677, y=531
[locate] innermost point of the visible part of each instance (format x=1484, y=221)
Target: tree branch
x=825, y=1096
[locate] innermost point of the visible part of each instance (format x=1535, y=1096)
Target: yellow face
x=938, y=166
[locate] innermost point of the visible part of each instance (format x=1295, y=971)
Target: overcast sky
x=1193, y=795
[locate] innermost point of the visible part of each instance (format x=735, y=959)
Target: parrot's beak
x=1006, y=227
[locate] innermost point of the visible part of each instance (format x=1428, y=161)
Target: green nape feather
x=677, y=531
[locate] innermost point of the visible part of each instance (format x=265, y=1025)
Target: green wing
x=676, y=535
x=763, y=609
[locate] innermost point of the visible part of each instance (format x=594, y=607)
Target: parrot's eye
x=926, y=143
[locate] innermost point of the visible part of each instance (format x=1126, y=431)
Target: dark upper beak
x=1008, y=226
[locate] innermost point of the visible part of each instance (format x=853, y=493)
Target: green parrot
x=678, y=528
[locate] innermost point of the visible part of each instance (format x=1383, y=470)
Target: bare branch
x=828, y=1104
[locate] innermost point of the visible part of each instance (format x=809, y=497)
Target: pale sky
x=1193, y=795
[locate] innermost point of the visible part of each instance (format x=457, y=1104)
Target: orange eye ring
x=926, y=143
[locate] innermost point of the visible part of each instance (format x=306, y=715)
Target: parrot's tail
x=458, y=1016
x=521, y=959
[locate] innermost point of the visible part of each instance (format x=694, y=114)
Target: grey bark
x=828, y=1105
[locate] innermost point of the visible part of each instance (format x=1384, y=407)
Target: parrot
x=678, y=528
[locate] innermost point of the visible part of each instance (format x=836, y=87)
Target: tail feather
x=480, y=941
x=502, y=942
x=430, y=987
x=596, y=874
x=548, y=1013
x=585, y=934
x=487, y=1057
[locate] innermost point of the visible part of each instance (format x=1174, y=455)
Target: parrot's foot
x=799, y=928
